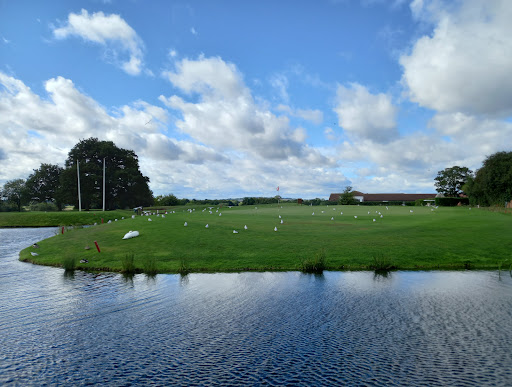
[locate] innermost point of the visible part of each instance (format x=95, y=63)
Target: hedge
x=452, y=202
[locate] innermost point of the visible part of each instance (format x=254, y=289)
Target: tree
x=492, y=184
x=347, y=197
x=167, y=200
x=125, y=185
x=451, y=180
x=15, y=192
x=43, y=185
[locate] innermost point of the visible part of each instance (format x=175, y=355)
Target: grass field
x=445, y=238
x=61, y=218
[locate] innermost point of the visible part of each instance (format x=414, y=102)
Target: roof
x=383, y=197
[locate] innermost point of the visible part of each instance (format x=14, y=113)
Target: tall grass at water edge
x=128, y=263
x=69, y=263
x=315, y=264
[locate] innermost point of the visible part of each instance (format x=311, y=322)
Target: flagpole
x=78, y=175
x=103, y=183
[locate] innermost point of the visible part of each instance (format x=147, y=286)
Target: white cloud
x=280, y=83
x=193, y=31
x=110, y=31
x=465, y=65
x=36, y=130
x=314, y=116
x=365, y=115
x=227, y=117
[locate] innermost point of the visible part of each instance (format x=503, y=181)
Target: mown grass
x=447, y=238
x=59, y=218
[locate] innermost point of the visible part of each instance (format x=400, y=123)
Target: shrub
x=451, y=202
x=45, y=206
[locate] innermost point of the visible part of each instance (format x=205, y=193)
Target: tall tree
x=43, y=184
x=15, y=192
x=449, y=181
x=493, y=182
x=347, y=197
x=125, y=184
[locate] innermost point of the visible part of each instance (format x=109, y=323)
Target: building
x=385, y=197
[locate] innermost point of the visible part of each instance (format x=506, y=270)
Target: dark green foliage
x=43, y=186
x=451, y=180
x=166, y=200
x=451, y=202
x=492, y=184
x=44, y=206
x=347, y=197
x=316, y=264
x=15, y=193
x=249, y=201
x=126, y=187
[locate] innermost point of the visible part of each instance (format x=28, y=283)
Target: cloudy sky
x=234, y=98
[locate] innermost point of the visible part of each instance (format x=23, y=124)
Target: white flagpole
x=103, y=183
x=78, y=175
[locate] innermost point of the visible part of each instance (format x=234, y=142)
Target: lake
x=271, y=328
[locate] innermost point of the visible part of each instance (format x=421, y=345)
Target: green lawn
x=447, y=238
x=60, y=218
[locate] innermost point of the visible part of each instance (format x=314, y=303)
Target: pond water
x=339, y=328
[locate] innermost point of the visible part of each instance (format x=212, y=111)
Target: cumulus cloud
x=110, y=31
x=314, y=116
x=36, y=129
x=464, y=66
x=365, y=115
x=227, y=117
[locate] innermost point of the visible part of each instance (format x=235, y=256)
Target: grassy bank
x=447, y=238
x=61, y=218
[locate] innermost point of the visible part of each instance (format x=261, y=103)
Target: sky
x=227, y=99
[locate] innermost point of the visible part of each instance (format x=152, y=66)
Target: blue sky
x=233, y=98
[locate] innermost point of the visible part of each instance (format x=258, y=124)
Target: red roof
x=386, y=197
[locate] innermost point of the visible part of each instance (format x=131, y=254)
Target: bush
x=451, y=202
x=45, y=206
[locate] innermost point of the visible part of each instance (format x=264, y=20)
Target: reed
x=316, y=264
x=150, y=266
x=184, y=267
x=128, y=264
x=382, y=262
x=69, y=263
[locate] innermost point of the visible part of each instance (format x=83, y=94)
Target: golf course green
x=347, y=237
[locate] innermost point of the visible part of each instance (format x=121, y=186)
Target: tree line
x=491, y=185
x=50, y=187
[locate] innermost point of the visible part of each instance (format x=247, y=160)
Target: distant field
x=445, y=238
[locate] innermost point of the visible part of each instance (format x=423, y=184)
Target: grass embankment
x=447, y=238
x=60, y=218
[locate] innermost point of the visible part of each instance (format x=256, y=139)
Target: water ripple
x=407, y=328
